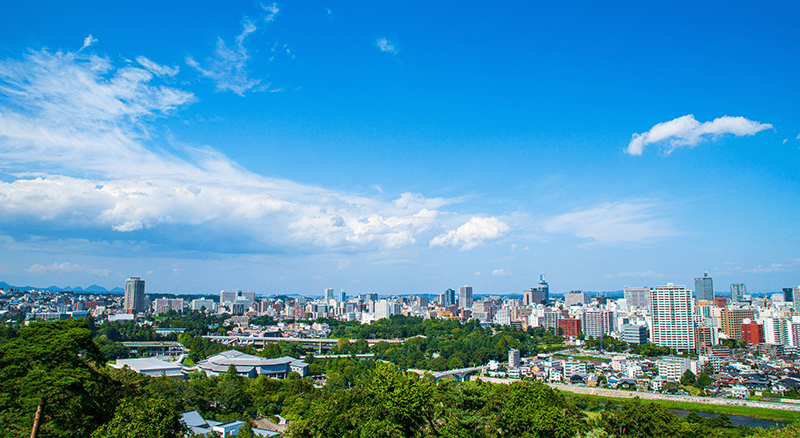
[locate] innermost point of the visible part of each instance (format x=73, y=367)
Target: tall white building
x=465, y=297
x=672, y=315
x=737, y=292
x=329, y=295
x=638, y=297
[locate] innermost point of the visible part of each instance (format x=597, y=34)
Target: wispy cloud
x=228, y=67
x=67, y=267
x=686, y=131
x=500, y=272
x=791, y=265
x=88, y=41
x=156, y=69
x=386, y=46
x=614, y=222
x=71, y=125
x=272, y=10
x=638, y=274
x=473, y=233
x=476, y=273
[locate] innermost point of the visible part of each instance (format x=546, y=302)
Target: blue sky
x=399, y=147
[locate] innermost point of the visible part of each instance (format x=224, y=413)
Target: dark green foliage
x=688, y=378
x=55, y=363
x=639, y=419
x=143, y=417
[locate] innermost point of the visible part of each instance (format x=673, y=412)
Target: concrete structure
x=513, y=359
x=328, y=295
x=163, y=305
x=465, y=297
x=595, y=323
x=200, y=303
x=572, y=366
x=252, y=366
x=575, y=298
x=792, y=295
x=752, y=332
x=570, y=326
x=550, y=320
x=704, y=288
x=731, y=320
x=737, y=292
x=151, y=366
x=672, y=315
x=637, y=297
x=634, y=334
x=672, y=367
x=134, y=295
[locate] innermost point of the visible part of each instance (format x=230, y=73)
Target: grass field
x=765, y=414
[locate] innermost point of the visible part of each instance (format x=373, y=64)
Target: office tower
x=673, y=322
x=776, y=330
x=369, y=296
x=342, y=296
x=792, y=295
x=634, y=334
x=595, y=323
x=227, y=296
x=449, y=297
x=465, y=297
x=575, y=298
x=544, y=288
x=731, y=319
x=737, y=292
x=704, y=288
x=637, y=297
x=328, y=295
x=134, y=295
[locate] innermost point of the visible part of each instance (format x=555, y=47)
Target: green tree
x=688, y=378
x=49, y=377
x=536, y=410
x=640, y=420
x=143, y=417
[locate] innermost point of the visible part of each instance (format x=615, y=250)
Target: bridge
x=459, y=374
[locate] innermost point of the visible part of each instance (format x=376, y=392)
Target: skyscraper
x=329, y=295
x=673, y=322
x=737, y=292
x=536, y=295
x=449, y=297
x=704, y=288
x=134, y=295
x=638, y=297
x=543, y=287
x=465, y=297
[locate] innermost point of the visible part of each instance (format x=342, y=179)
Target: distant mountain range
x=91, y=289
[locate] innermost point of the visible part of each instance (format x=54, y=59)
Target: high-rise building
x=595, y=323
x=737, y=292
x=634, y=334
x=342, y=298
x=637, y=297
x=575, y=298
x=543, y=287
x=465, y=297
x=731, y=319
x=792, y=295
x=673, y=322
x=704, y=288
x=329, y=295
x=134, y=295
x=536, y=295
x=570, y=327
x=550, y=320
x=449, y=297
x=752, y=332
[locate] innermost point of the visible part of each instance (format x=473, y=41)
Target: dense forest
x=52, y=377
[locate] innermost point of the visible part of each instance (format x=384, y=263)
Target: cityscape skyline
x=287, y=148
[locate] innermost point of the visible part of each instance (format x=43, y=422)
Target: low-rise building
x=252, y=366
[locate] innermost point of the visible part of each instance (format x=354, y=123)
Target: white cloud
x=526, y=248
x=75, y=124
x=791, y=265
x=228, y=67
x=686, y=131
x=156, y=69
x=785, y=140
x=500, y=272
x=67, y=267
x=88, y=41
x=473, y=233
x=272, y=10
x=638, y=274
x=386, y=46
x=613, y=222
x=477, y=273
x=798, y=137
